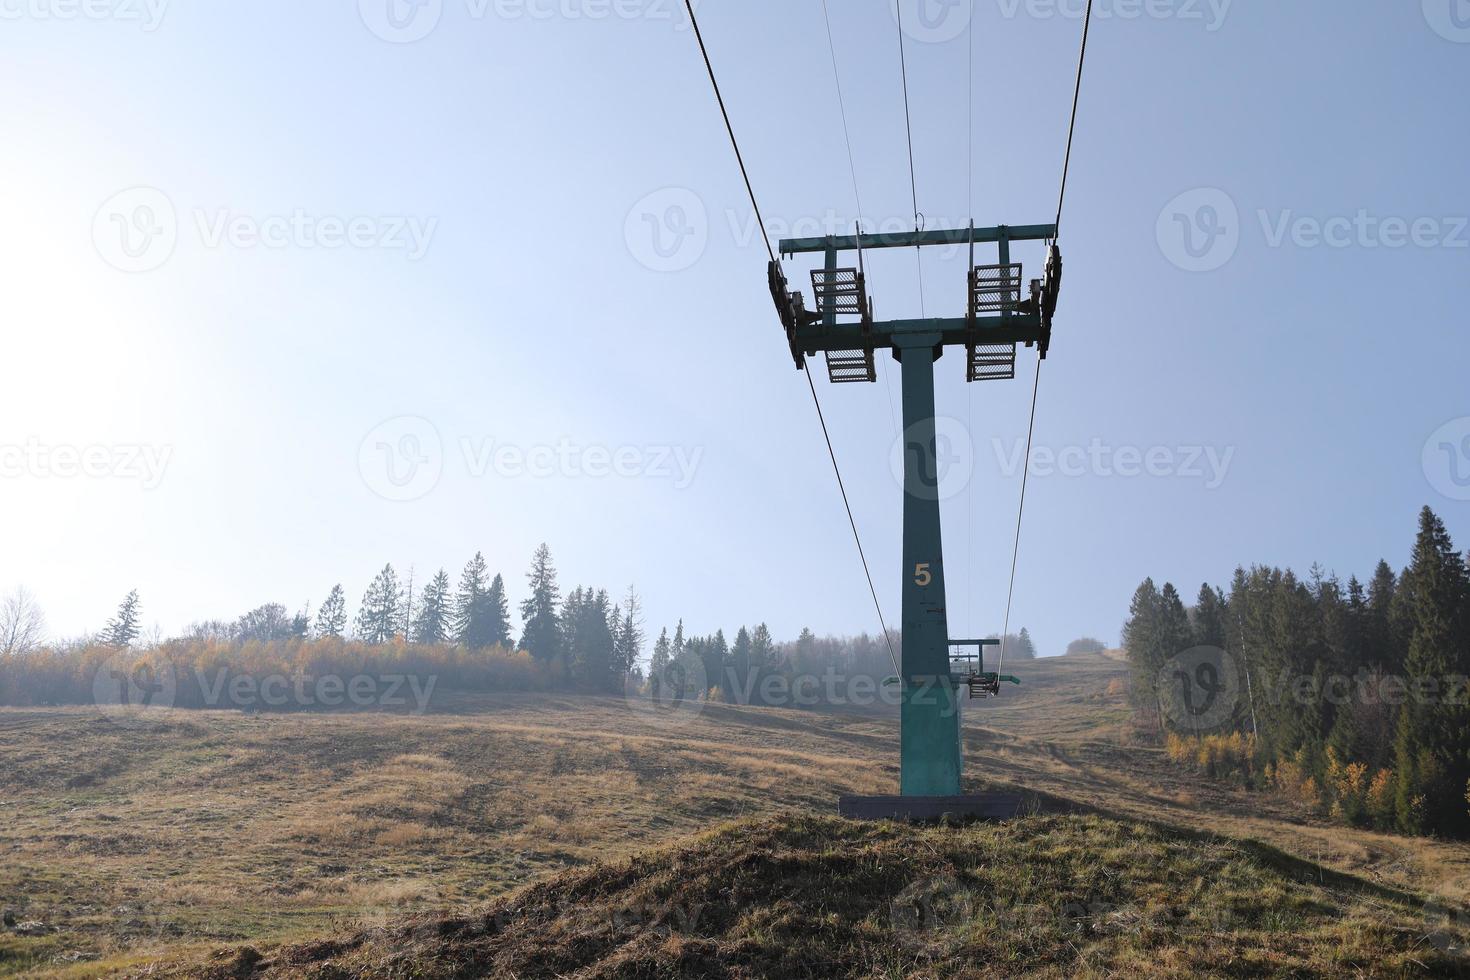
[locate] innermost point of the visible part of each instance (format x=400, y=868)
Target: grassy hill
x=130, y=847
x=820, y=897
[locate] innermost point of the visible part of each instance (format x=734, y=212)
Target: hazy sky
x=291, y=290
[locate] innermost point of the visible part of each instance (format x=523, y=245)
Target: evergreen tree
x=331, y=619
x=123, y=628
x=740, y=665
x=588, y=638
x=497, y=614
x=1208, y=617
x=1381, y=646
x=378, y=618
x=469, y=627
x=1434, y=729
x=541, y=637
x=434, y=620
x=762, y=648
x=628, y=634
x=715, y=653
x=1141, y=641
x=1024, y=649
x=663, y=653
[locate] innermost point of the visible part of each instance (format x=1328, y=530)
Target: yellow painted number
x=922, y=575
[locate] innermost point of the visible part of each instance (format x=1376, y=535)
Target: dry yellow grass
x=201, y=829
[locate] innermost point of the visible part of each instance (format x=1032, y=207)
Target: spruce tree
x=433, y=622
x=123, y=628
x=1208, y=617
x=469, y=627
x=628, y=641
x=331, y=619
x=541, y=636
x=1434, y=728
x=497, y=614
x=740, y=661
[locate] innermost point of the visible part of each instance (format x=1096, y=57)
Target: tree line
x=1352, y=697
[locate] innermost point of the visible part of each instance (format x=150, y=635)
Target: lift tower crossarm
x=920, y=239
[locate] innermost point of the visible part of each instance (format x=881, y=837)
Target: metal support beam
x=930, y=752
x=920, y=239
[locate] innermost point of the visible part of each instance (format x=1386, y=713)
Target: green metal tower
x=842, y=327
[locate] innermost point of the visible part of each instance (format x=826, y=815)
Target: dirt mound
x=817, y=897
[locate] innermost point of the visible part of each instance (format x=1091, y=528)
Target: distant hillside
x=817, y=897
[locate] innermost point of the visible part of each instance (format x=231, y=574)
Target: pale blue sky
x=501, y=290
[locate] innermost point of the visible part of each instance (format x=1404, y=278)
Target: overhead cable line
x=1036, y=384
x=908, y=123
x=1072, y=126
x=857, y=194
x=821, y=418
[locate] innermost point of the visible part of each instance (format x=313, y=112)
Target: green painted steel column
x=930, y=757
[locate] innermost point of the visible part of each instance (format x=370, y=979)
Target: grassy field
x=124, y=846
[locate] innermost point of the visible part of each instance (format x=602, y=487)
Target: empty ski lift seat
x=994, y=289
x=843, y=293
